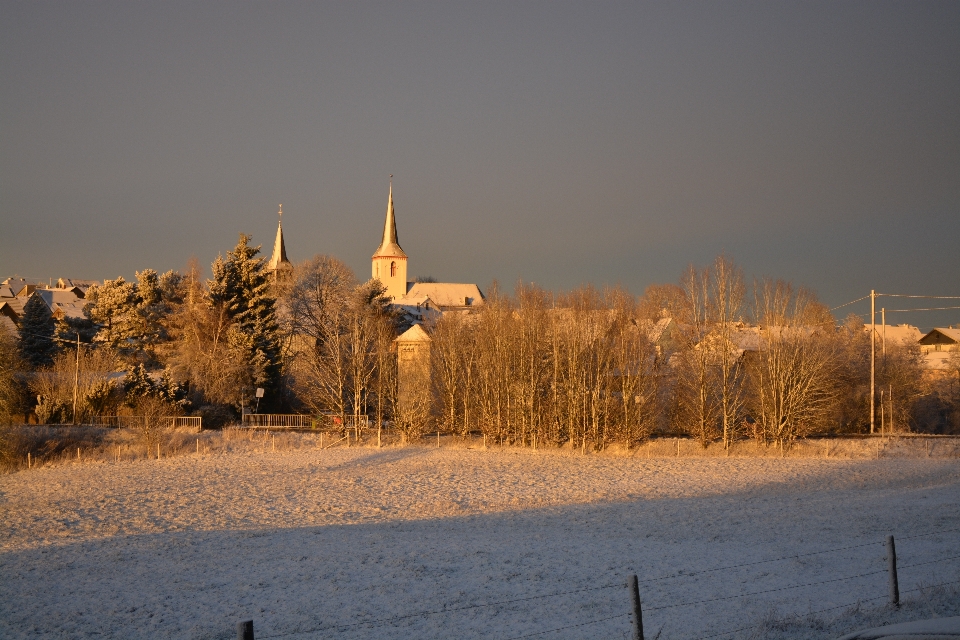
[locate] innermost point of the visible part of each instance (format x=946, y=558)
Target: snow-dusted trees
x=241, y=290
x=225, y=336
x=131, y=318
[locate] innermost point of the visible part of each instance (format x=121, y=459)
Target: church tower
x=389, y=260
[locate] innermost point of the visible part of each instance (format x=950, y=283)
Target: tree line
x=712, y=357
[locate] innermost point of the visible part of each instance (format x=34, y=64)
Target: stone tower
x=389, y=260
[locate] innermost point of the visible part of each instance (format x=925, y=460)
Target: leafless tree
x=794, y=374
x=697, y=385
x=726, y=302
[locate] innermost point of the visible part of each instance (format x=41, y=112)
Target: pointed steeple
x=389, y=246
x=279, y=256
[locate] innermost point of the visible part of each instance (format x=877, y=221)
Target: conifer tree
x=242, y=288
x=37, y=345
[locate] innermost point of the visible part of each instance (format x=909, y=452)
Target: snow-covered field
x=313, y=544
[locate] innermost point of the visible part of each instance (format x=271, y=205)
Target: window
x=393, y=269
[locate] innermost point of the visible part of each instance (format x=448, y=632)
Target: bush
x=216, y=416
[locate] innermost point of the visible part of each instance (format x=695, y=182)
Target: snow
x=936, y=629
x=185, y=547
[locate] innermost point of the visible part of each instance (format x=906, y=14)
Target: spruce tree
x=242, y=287
x=36, y=329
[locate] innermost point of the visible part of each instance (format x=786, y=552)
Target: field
x=343, y=543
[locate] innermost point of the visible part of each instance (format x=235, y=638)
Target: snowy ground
x=314, y=544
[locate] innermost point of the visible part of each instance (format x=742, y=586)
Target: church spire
x=389, y=245
x=279, y=256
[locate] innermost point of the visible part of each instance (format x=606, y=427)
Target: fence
x=298, y=421
x=132, y=422
x=631, y=602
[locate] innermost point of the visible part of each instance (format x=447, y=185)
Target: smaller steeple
x=279, y=257
x=389, y=247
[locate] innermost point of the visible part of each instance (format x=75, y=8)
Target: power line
x=903, y=295
x=924, y=309
x=849, y=303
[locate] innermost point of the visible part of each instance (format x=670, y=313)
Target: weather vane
x=280, y=213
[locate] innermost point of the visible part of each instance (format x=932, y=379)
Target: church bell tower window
x=393, y=269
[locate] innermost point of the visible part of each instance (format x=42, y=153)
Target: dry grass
x=36, y=446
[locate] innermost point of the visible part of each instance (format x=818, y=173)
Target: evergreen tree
x=137, y=384
x=241, y=287
x=37, y=345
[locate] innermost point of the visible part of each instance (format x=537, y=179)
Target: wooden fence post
x=637, y=614
x=245, y=630
x=892, y=571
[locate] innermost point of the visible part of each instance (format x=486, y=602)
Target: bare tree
x=697, y=402
x=726, y=302
x=794, y=374
x=319, y=319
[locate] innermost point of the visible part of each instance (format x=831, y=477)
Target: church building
x=420, y=300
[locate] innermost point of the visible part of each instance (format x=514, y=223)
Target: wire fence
x=876, y=566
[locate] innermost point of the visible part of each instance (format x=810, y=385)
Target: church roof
x=444, y=294
x=279, y=249
x=389, y=248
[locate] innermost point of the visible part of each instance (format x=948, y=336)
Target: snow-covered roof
x=13, y=308
x=70, y=283
x=8, y=325
x=946, y=332
x=905, y=333
x=63, y=302
x=414, y=334
x=444, y=294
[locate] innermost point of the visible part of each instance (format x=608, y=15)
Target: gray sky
x=557, y=143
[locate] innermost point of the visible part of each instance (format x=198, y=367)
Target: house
x=63, y=303
x=77, y=286
x=941, y=339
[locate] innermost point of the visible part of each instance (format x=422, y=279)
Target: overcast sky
x=558, y=143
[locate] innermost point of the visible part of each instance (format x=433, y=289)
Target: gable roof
x=904, y=333
x=70, y=283
x=13, y=308
x=443, y=294
x=63, y=302
x=942, y=335
x=414, y=334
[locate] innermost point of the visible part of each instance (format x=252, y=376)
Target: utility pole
x=873, y=355
x=76, y=381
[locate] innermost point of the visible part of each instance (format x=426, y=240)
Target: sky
x=557, y=143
